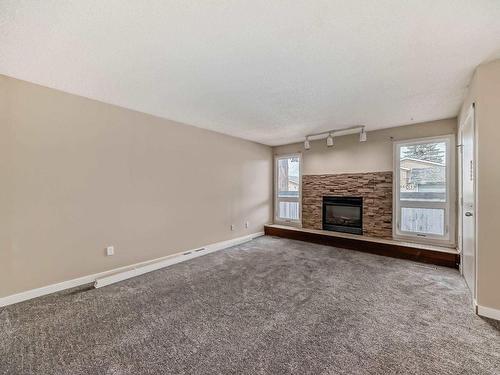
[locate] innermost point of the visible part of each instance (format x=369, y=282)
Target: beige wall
x=5, y=181
x=82, y=175
x=485, y=92
x=350, y=156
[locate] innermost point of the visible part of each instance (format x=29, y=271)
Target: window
x=288, y=188
x=424, y=193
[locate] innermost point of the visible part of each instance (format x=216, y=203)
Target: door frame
x=472, y=111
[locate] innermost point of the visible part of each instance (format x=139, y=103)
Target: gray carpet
x=270, y=306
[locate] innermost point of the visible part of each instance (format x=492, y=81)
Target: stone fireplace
x=374, y=189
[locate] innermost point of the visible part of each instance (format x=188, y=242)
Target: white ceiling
x=266, y=70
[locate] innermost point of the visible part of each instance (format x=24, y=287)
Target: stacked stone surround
x=375, y=188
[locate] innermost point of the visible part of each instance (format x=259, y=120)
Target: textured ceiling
x=269, y=71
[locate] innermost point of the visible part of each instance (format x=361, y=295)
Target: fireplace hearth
x=343, y=214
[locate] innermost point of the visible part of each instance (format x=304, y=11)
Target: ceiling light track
x=331, y=133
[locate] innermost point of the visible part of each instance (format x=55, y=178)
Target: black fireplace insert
x=343, y=214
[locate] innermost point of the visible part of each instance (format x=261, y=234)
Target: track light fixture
x=329, y=140
x=307, y=145
x=362, y=135
x=331, y=133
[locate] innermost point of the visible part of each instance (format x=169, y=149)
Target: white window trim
x=277, y=220
x=449, y=206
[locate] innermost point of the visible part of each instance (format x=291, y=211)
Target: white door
x=469, y=203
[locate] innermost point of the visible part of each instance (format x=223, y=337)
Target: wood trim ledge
x=394, y=250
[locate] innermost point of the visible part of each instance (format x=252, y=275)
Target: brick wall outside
x=375, y=188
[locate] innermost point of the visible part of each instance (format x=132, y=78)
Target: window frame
x=449, y=206
x=277, y=219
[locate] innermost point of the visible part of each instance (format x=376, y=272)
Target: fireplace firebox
x=343, y=214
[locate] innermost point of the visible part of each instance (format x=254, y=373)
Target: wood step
x=441, y=256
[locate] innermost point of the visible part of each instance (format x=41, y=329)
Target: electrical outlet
x=232, y=226
x=247, y=224
x=110, y=250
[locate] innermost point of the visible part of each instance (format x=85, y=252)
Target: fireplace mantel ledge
x=443, y=249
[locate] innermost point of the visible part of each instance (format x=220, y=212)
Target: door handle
x=468, y=213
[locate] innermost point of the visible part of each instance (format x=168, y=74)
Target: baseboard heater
x=171, y=260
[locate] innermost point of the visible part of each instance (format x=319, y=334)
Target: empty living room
x=249, y=187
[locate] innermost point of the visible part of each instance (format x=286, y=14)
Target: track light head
x=329, y=140
x=307, y=145
x=362, y=135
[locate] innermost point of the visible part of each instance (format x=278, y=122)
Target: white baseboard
x=157, y=264
x=38, y=292
x=117, y=274
x=488, y=312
